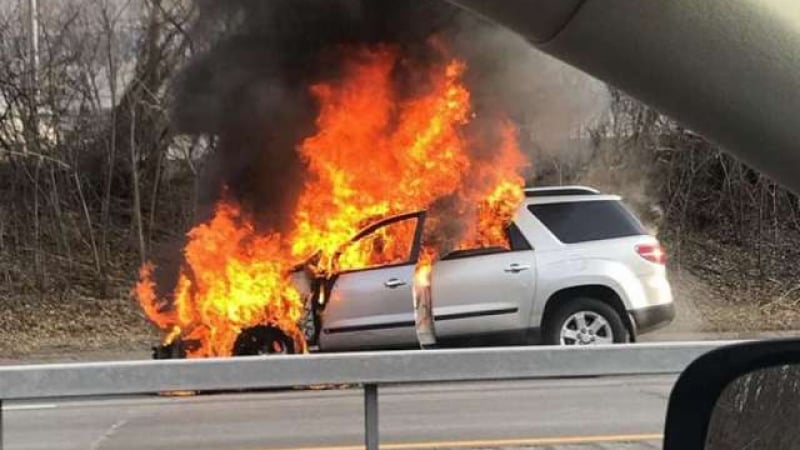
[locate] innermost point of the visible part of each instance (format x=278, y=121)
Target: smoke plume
x=249, y=84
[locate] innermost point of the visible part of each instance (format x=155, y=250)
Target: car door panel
x=483, y=294
x=373, y=307
x=363, y=312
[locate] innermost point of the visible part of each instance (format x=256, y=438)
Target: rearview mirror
x=743, y=396
x=760, y=409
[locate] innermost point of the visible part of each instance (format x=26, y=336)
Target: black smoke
x=249, y=87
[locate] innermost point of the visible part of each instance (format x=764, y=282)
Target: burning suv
x=579, y=269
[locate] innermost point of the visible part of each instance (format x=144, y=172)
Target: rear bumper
x=652, y=317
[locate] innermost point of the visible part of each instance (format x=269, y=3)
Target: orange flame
x=230, y=280
x=376, y=152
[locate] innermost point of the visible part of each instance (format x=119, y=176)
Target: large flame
x=232, y=278
x=376, y=152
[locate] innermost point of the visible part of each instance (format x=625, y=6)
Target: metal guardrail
x=369, y=369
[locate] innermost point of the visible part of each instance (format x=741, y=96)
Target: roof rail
x=552, y=191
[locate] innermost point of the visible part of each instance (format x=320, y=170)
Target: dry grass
x=34, y=325
x=730, y=294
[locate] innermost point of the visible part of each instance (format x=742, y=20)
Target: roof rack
x=553, y=191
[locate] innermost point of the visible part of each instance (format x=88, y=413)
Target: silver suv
x=580, y=270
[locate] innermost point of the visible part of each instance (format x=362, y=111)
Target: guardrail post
x=370, y=416
x=1, y=425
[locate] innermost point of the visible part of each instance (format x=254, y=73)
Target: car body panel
x=362, y=312
x=373, y=307
x=483, y=294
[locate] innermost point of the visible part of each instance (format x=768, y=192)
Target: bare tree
x=83, y=145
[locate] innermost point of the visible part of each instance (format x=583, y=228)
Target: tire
x=174, y=350
x=602, y=324
x=263, y=340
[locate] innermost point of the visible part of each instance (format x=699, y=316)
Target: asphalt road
x=565, y=414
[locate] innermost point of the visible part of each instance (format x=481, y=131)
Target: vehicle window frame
x=416, y=246
x=500, y=250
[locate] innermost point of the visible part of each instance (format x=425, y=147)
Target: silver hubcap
x=586, y=328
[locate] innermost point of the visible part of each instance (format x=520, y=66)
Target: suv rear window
x=574, y=222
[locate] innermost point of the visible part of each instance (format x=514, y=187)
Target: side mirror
x=743, y=396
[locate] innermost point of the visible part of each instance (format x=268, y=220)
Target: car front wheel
x=584, y=321
x=263, y=340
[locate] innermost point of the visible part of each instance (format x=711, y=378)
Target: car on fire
x=579, y=269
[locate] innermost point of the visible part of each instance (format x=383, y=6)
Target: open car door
x=371, y=302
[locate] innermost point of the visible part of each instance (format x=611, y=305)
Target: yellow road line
x=495, y=442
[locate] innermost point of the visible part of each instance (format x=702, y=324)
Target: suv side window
x=573, y=222
x=516, y=240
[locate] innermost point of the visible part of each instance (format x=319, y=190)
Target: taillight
x=652, y=252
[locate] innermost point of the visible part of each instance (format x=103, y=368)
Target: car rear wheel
x=263, y=340
x=584, y=321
